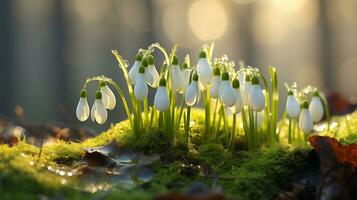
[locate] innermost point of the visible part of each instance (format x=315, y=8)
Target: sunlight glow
x=289, y=6
x=93, y=10
x=208, y=19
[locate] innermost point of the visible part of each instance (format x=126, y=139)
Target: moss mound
x=256, y=174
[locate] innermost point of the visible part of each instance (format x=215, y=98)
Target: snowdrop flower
x=99, y=112
x=226, y=92
x=133, y=72
x=305, y=120
x=256, y=97
x=246, y=90
x=292, y=106
x=141, y=87
x=149, y=78
x=316, y=108
x=193, y=93
x=177, y=82
x=204, y=69
x=216, y=83
x=161, y=100
x=82, y=111
x=238, y=106
x=153, y=72
x=108, y=96
x=186, y=73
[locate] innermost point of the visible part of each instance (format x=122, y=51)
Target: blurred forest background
x=49, y=47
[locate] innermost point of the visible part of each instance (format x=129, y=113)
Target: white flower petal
x=140, y=88
x=317, y=109
x=149, y=77
x=82, y=111
x=93, y=110
x=256, y=98
x=177, y=83
x=155, y=75
x=215, y=86
x=204, y=70
x=305, y=121
x=108, y=96
x=133, y=72
x=186, y=77
x=245, y=93
x=100, y=113
x=192, y=95
x=161, y=100
x=292, y=107
x=238, y=106
x=227, y=94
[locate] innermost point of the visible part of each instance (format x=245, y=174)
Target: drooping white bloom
x=186, y=73
x=108, y=96
x=305, y=120
x=133, y=72
x=193, y=93
x=292, y=106
x=256, y=97
x=245, y=90
x=316, y=108
x=82, y=111
x=216, y=83
x=161, y=100
x=204, y=69
x=141, y=87
x=177, y=82
x=151, y=69
x=226, y=92
x=238, y=106
x=99, y=112
x=149, y=78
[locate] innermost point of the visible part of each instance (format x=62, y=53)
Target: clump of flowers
x=229, y=96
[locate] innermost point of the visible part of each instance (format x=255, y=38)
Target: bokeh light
x=92, y=10
x=347, y=76
x=176, y=27
x=208, y=19
x=269, y=27
x=134, y=14
x=289, y=6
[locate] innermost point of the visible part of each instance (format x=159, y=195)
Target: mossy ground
x=255, y=174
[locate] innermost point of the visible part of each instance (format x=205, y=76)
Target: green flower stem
x=180, y=114
x=161, y=120
x=214, y=116
x=256, y=136
x=146, y=112
x=251, y=127
x=294, y=130
x=234, y=127
x=246, y=127
x=207, y=114
x=139, y=124
x=275, y=102
x=173, y=111
x=187, y=125
x=219, y=120
x=289, y=132
x=152, y=116
x=225, y=124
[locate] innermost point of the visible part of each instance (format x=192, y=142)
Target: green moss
x=255, y=174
